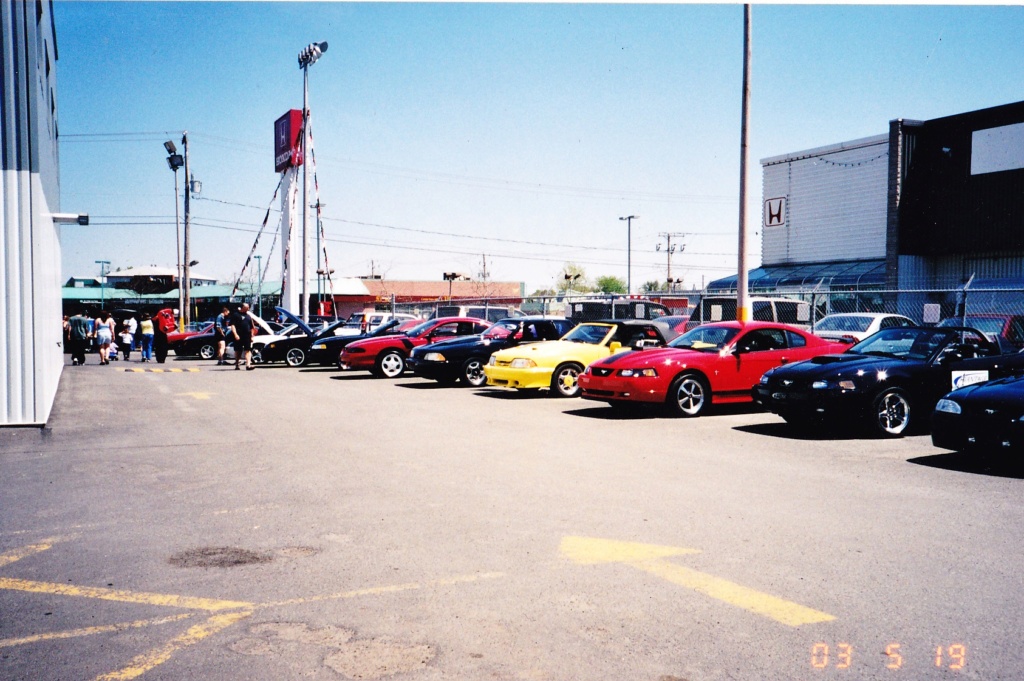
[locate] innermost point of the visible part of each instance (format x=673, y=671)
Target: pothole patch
x=218, y=557
x=349, y=657
x=297, y=551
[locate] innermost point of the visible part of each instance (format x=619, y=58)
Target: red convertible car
x=385, y=356
x=718, y=362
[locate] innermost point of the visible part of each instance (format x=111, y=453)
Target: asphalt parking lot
x=280, y=524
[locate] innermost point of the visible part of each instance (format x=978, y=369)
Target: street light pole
x=259, y=286
x=629, y=251
x=175, y=161
x=186, y=310
x=103, y=282
x=308, y=56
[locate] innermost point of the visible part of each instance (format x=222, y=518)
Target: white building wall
x=31, y=354
x=835, y=203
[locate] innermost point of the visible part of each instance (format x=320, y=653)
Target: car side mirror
x=615, y=346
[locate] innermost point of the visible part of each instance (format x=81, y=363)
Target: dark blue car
x=985, y=417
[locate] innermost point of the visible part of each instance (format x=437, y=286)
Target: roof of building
x=855, y=273
x=432, y=290
x=154, y=271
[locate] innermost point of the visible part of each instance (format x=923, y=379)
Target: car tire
x=295, y=357
x=891, y=413
x=207, y=351
x=565, y=380
x=689, y=395
x=473, y=373
x=257, y=356
x=391, y=364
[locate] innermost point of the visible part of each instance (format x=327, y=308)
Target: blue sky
x=524, y=130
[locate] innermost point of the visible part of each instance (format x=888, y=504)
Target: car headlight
x=820, y=385
x=492, y=361
x=433, y=357
x=353, y=351
x=522, y=363
x=638, y=373
x=825, y=385
x=764, y=379
x=948, y=406
x=320, y=346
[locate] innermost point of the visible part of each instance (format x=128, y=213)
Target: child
x=126, y=343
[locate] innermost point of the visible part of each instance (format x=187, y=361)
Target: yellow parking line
x=143, y=663
x=756, y=602
x=13, y=555
x=89, y=631
x=121, y=596
x=392, y=588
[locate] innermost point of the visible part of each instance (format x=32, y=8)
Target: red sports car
x=384, y=356
x=718, y=362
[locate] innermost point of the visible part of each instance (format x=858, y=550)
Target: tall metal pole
x=259, y=286
x=742, y=297
x=304, y=300
x=103, y=282
x=629, y=252
x=177, y=246
x=186, y=310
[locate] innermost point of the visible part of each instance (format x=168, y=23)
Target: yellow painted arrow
x=651, y=559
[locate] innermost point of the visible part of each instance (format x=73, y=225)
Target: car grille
x=600, y=371
x=502, y=362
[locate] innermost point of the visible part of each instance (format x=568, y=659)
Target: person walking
x=127, y=339
x=104, y=330
x=221, y=329
x=146, y=331
x=78, y=337
x=241, y=331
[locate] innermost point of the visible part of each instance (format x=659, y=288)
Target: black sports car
x=324, y=351
x=987, y=417
x=293, y=349
x=464, y=358
x=888, y=381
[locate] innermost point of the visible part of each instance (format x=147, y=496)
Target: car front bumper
x=433, y=370
x=973, y=433
x=605, y=388
x=507, y=377
x=810, y=403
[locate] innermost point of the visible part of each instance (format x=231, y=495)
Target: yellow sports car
x=556, y=364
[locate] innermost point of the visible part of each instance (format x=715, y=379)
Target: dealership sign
x=775, y=212
x=288, y=141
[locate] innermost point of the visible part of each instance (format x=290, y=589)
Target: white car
x=369, y=323
x=857, y=325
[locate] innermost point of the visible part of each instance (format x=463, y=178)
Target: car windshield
x=902, y=343
x=501, y=330
x=857, y=323
x=993, y=326
x=706, y=338
x=591, y=334
x=421, y=329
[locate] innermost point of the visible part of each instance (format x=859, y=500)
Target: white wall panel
x=836, y=203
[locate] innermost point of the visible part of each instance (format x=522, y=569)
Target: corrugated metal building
x=31, y=356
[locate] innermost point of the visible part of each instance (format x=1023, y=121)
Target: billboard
x=288, y=141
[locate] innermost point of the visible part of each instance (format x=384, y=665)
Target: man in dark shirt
x=78, y=337
x=241, y=331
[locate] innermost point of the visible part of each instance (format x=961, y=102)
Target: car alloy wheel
x=391, y=364
x=295, y=357
x=473, y=372
x=565, y=380
x=207, y=351
x=892, y=412
x=257, y=356
x=689, y=395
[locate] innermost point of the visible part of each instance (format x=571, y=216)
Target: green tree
x=574, y=277
x=651, y=287
x=610, y=284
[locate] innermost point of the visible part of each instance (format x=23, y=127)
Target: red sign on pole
x=288, y=141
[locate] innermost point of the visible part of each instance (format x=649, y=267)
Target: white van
x=723, y=308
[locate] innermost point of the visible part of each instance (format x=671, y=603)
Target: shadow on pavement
x=354, y=377
x=995, y=466
x=606, y=413
x=502, y=394
x=790, y=432
x=425, y=384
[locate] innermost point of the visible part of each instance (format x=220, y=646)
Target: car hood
x=844, y=364
x=462, y=342
x=1003, y=393
x=550, y=351
x=649, y=356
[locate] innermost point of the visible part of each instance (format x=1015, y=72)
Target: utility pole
x=629, y=252
x=670, y=248
x=743, y=312
x=186, y=311
x=259, y=285
x=308, y=56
